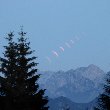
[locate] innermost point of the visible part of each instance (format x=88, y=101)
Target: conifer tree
x=104, y=99
x=7, y=79
x=19, y=89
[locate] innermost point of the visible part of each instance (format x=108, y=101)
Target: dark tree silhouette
x=104, y=99
x=19, y=89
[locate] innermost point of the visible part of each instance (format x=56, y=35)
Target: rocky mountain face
x=81, y=85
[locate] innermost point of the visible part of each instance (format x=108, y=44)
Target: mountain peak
x=94, y=68
x=92, y=65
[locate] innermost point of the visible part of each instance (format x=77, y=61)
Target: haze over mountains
x=79, y=87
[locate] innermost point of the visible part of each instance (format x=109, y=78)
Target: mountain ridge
x=80, y=85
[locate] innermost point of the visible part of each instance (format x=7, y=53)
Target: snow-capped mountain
x=81, y=85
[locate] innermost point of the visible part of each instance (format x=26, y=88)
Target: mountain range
x=81, y=85
x=75, y=88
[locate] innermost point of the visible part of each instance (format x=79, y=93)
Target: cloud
x=72, y=41
x=62, y=49
x=77, y=38
x=55, y=53
x=68, y=45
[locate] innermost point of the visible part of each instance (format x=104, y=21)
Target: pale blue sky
x=51, y=23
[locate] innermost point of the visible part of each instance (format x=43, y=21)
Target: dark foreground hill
x=63, y=103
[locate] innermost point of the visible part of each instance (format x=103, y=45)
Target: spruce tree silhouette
x=104, y=99
x=19, y=89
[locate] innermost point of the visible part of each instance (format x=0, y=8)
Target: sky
x=65, y=34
